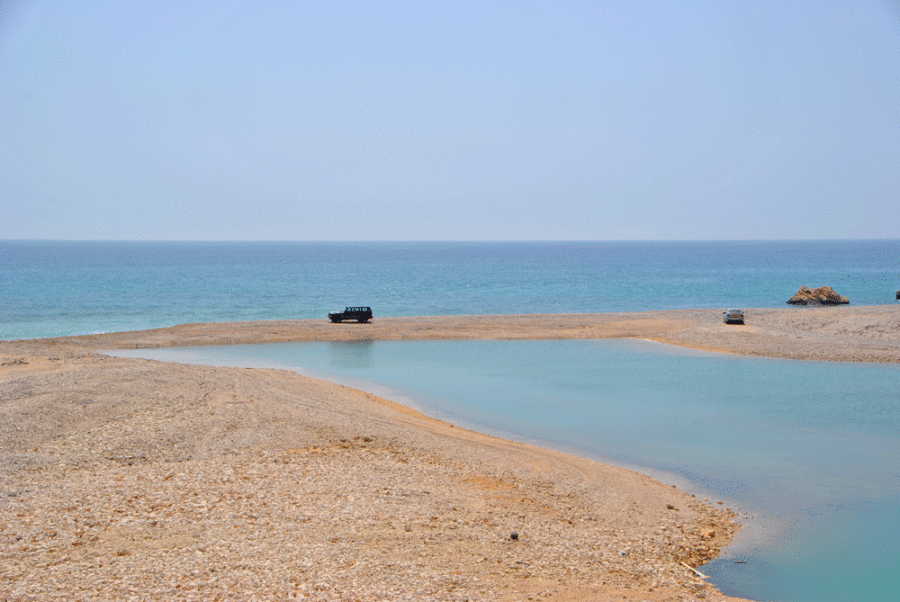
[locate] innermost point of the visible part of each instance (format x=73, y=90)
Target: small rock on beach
x=824, y=295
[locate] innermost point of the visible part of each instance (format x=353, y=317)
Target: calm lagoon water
x=810, y=450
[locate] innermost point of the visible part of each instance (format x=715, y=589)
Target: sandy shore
x=132, y=479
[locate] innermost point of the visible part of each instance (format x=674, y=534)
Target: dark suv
x=360, y=314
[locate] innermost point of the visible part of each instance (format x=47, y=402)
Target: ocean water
x=810, y=450
x=63, y=288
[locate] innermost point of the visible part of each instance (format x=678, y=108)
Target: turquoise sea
x=60, y=288
x=810, y=450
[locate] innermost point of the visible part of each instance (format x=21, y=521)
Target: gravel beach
x=125, y=479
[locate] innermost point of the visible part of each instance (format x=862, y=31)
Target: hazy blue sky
x=441, y=121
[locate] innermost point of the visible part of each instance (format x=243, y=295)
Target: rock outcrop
x=824, y=295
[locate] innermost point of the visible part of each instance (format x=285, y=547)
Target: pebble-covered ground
x=136, y=480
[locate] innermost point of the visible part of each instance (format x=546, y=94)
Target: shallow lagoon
x=810, y=450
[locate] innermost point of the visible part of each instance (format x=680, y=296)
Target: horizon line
x=436, y=241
